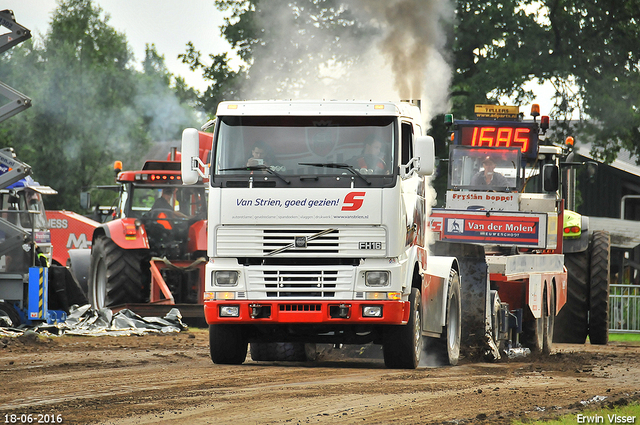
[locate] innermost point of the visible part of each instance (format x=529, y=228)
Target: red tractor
x=151, y=249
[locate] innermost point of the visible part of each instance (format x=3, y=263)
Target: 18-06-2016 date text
x=33, y=418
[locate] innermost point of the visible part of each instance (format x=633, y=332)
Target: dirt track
x=170, y=379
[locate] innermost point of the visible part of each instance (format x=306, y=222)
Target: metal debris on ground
x=87, y=321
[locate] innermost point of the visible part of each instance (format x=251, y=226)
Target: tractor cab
x=156, y=198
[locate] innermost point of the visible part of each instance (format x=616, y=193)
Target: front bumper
x=308, y=311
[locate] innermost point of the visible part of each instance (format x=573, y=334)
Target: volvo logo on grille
x=301, y=241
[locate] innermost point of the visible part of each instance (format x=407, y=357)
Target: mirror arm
x=407, y=170
x=200, y=167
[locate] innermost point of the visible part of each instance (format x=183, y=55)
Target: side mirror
x=85, y=200
x=425, y=151
x=190, y=155
x=550, y=178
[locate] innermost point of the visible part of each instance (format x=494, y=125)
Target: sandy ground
x=170, y=379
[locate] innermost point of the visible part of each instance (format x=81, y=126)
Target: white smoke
x=395, y=51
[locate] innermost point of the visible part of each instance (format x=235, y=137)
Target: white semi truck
x=318, y=232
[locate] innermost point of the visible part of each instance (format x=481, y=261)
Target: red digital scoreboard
x=499, y=135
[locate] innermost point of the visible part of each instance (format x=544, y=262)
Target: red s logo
x=356, y=203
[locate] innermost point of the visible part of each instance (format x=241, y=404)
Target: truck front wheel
x=227, y=344
x=403, y=344
x=449, y=343
x=116, y=275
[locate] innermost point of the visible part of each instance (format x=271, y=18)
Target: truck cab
x=22, y=205
x=317, y=230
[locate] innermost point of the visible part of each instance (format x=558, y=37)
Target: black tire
x=116, y=275
x=227, y=344
x=549, y=321
x=572, y=322
x=402, y=346
x=599, y=288
x=448, y=346
x=6, y=309
x=533, y=333
x=278, y=352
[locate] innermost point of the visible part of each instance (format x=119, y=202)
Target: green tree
x=165, y=103
x=225, y=82
x=288, y=50
x=588, y=50
x=90, y=105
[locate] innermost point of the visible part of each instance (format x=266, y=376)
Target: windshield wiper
x=336, y=165
x=258, y=168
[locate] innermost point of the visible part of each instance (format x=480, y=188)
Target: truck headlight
x=226, y=278
x=372, y=311
x=229, y=311
x=376, y=278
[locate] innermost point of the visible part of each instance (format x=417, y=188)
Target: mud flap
x=476, y=337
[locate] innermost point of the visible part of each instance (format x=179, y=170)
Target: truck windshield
x=309, y=146
x=489, y=169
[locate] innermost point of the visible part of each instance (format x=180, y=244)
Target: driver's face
x=374, y=148
x=258, y=153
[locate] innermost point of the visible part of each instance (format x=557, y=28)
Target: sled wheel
x=227, y=344
x=116, y=275
x=278, y=351
x=599, y=294
x=549, y=320
x=533, y=333
x=403, y=344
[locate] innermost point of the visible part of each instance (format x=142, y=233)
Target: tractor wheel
x=549, y=321
x=572, y=322
x=9, y=311
x=278, y=351
x=599, y=294
x=448, y=346
x=227, y=344
x=116, y=276
x=402, y=345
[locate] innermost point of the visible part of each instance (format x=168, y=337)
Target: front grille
x=252, y=241
x=299, y=282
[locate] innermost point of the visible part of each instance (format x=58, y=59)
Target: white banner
x=300, y=206
x=495, y=201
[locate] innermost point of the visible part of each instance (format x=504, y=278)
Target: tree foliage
x=587, y=49
x=90, y=106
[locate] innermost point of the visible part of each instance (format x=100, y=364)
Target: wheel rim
x=100, y=292
x=417, y=336
x=453, y=326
